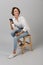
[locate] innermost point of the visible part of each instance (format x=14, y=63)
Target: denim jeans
x=15, y=31
x=16, y=38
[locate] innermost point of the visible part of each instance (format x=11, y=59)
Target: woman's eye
x=15, y=11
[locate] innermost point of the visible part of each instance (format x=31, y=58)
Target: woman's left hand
x=17, y=34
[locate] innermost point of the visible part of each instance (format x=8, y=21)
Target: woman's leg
x=14, y=32
x=16, y=38
x=15, y=43
x=23, y=35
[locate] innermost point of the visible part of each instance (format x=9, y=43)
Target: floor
x=34, y=57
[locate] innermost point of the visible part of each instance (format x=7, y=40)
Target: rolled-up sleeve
x=25, y=25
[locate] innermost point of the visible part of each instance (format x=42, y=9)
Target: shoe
x=12, y=55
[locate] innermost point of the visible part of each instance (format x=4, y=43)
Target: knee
x=15, y=37
x=12, y=34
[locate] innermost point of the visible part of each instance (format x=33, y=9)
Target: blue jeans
x=15, y=31
x=16, y=38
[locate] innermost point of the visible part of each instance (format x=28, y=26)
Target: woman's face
x=16, y=13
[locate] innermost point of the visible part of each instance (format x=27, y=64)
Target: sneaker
x=12, y=55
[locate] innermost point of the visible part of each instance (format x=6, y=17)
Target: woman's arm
x=11, y=26
x=25, y=25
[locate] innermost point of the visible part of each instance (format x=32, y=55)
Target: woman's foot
x=12, y=55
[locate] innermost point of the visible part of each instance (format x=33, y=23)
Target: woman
x=20, y=22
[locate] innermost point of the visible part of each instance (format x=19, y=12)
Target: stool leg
x=31, y=46
x=30, y=42
x=22, y=48
x=30, y=39
x=23, y=40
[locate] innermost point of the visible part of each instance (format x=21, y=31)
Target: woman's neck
x=16, y=18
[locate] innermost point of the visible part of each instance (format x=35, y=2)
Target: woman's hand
x=17, y=34
x=11, y=26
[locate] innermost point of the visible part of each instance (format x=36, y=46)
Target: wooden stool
x=26, y=43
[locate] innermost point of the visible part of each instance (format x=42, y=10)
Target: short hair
x=14, y=9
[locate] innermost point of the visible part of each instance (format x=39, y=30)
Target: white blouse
x=21, y=22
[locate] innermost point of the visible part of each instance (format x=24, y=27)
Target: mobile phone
x=11, y=20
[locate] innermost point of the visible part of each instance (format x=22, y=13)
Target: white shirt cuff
x=24, y=30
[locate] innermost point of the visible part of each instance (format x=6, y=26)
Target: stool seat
x=28, y=35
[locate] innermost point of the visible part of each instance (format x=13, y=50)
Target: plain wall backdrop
x=32, y=10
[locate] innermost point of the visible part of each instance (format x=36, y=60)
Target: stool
x=25, y=43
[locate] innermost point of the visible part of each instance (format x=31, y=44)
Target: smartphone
x=11, y=20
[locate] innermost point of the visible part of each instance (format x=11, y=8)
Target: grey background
x=32, y=10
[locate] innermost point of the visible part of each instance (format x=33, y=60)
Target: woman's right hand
x=17, y=34
x=11, y=26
